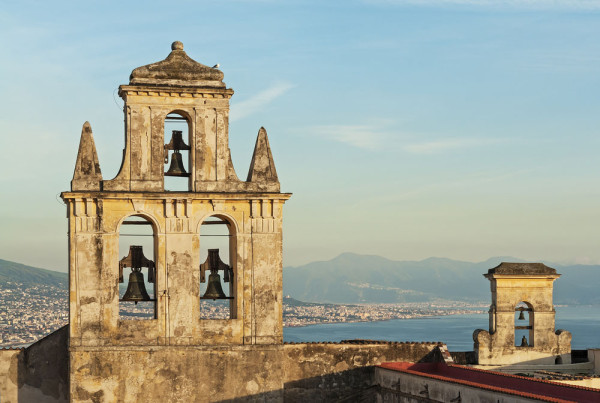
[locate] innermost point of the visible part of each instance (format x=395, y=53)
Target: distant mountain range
x=20, y=273
x=353, y=278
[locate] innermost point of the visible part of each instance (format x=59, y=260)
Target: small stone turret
x=87, y=175
x=523, y=290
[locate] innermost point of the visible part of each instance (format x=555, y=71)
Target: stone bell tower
x=522, y=318
x=117, y=359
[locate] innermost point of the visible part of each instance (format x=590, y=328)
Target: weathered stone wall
x=45, y=373
x=290, y=372
x=38, y=373
x=334, y=371
x=255, y=255
x=10, y=362
x=176, y=374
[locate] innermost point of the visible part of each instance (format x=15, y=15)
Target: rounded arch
x=524, y=304
x=184, y=113
x=234, y=227
x=152, y=219
x=187, y=115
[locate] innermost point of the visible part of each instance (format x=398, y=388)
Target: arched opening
x=137, y=271
x=558, y=360
x=177, y=153
x=217, y=269
x=523, y=325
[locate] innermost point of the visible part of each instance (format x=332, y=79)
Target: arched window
x=137, y=271
x=524, y=325
x=217, y=269
x=177, y=153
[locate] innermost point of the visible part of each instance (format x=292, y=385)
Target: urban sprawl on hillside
x=31, y=312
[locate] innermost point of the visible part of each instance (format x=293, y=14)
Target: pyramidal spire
x=262, y=168
x=87, y=175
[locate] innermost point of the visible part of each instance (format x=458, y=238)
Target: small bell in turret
x=176, y=144
x=176, y=168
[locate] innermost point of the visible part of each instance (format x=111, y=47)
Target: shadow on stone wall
x=352, y=385
x=43, y=374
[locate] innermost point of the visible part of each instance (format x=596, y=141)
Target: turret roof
x=177, y=69
x=522, y=268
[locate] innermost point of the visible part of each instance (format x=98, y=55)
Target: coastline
x=414, y=316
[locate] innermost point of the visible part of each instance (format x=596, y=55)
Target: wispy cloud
x=520, y=4
x=379, y=136
x=440, y=146
x=429, y=190
x=361, y=136
x=253, y=104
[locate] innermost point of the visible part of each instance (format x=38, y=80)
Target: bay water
x=583, y=321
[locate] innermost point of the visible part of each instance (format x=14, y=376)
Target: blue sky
x=462, y=129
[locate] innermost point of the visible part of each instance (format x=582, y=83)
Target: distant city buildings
x=34, y=311
x=30, y=312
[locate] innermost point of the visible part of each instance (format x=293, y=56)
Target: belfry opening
x=217, y=269
x=177, y=152
x=524, y=325
x=137, y=271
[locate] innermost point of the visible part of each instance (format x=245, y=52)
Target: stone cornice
x=233, y=196
x=174, y=91
x=520, y=276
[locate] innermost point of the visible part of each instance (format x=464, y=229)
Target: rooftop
x=499, y=382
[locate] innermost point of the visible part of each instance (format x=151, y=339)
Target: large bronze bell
x=176, y=168
x=521, y=316
x=213, y=264
x=136, y=290
x=213, y=288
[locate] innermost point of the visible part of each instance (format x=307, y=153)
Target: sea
x=583, y=321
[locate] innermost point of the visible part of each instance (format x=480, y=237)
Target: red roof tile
x=500, y=382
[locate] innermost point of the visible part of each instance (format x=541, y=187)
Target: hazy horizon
x=516, y=259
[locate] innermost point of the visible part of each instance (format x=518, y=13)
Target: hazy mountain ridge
x=354, y=278
x=20, y=273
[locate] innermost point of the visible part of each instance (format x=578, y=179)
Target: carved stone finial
x=177, y=45
x=87, y=175
x=262, y=167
